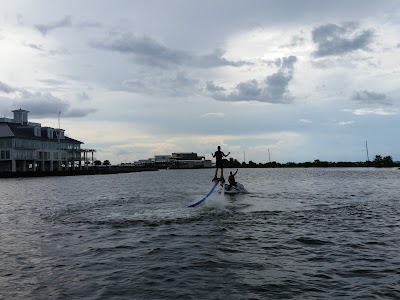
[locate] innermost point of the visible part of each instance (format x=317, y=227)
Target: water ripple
x=299, y=234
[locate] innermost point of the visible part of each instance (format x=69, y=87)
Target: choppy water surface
x=299, y=234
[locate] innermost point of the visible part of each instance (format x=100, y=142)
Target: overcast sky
x=302, y=79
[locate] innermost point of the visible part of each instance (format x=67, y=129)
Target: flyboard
x=216, y=182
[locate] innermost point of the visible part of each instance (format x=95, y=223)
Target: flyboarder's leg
x=215, y=176
x=222, y=175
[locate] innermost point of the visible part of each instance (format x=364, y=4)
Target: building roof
x=186, y=156
x=5, y=131
x=8, y=130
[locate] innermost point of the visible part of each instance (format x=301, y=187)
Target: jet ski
x=235, y=189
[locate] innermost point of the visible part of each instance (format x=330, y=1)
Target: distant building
x=186, y=156
x=176, y=161
x=162, y=161
x=27, y=146
x=188, y=161
x=144, y=163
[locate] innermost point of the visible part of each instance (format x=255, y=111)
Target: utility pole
x=59, y=144
x=59, y=113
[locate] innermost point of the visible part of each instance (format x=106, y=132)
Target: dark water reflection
x=299, y=234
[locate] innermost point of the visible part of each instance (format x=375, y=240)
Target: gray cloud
x=66, y=22
x=295, y=41
x=274, y=89
x=83, y=96
x=332, y=39
x=247, y=90
x=53, y=82
x=215, y=59
x=177, y=85
x=45, y=28
x=368, y=97
x=212, y=88
x=5, y=88
x=148, y=51
x=135, y=86
x=35, y=46
x=182, y=85
x=79, y=112
x=88, y=24
x=42, y=105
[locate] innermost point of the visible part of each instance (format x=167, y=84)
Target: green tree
x=388, y=161
x=252, y=164
x=378, y=160
x=232, y=163
x=97, y=163
x=106, y=162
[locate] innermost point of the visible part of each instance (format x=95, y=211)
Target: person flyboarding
x=219, y=155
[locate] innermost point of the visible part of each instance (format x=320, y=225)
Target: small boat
x=232, y=190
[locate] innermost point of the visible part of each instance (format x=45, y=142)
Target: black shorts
x=219, y=164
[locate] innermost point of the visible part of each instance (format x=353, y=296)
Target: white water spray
x=217, y=200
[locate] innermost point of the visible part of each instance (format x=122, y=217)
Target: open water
x=298, y=234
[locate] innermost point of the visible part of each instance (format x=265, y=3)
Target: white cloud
x=343, y=123
x=213, y=115
x=373, y=111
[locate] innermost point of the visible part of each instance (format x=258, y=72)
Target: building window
x=37, y=131
x=5, y=154
x=5, y=144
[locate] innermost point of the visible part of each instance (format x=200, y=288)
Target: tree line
x=105, y=163
x=378, y=162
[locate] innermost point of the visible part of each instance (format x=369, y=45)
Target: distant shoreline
x=91, y=171
x=379, y=162
x=123, y=169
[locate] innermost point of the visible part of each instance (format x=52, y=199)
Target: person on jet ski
x=231, y=179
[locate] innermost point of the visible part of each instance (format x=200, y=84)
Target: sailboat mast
x=59, y=127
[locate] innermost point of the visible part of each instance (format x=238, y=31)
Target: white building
x=185, y=160
x=27, y=146
x=188, y=160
